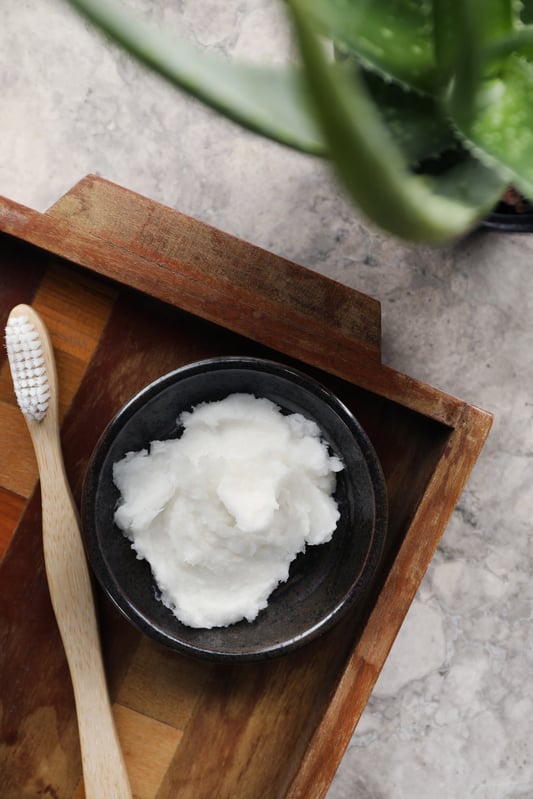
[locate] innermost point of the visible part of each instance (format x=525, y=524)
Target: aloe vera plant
x=425, y=111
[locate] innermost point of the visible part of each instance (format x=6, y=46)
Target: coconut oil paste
x=221, y=512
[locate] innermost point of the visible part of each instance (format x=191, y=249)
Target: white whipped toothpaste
x=220, y=513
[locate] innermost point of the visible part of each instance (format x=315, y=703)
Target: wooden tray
x=131, y=289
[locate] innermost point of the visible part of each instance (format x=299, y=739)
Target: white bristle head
x=30, y=381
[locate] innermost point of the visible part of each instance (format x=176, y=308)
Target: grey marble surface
x=452, y=713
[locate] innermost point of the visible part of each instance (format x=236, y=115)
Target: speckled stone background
x=452, y=714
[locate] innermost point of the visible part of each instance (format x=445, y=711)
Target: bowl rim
x=104, y=575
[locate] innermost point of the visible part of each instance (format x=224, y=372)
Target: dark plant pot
x=513, y=214
x=508, y=219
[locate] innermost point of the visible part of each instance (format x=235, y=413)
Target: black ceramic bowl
x=324, y=582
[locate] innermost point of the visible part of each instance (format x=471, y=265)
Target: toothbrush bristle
x=26, y=359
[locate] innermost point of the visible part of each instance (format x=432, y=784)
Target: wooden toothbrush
x=33, y=369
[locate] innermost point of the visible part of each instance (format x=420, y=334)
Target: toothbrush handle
x=72, y=598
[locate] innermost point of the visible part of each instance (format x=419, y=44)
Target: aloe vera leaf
x=465, y=33
x=270, y=101
x=394, y=37
x=415, y=121
x=492, y=19
x=371, y=165
x=501, y=133
x=519, y=42
x=467, y=59
x=526, y=11
x=464, y=37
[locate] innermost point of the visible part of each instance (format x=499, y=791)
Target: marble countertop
x=452, y=713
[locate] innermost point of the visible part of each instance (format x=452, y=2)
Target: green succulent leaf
x=526, y=11
x=467, y=45
x=371, y=165
x=270, y=101
x=470, y=64
x=501, y=132
x=491, y=94
x=415, y=121
x=464, y=37
x=494, y=18
x=491, y=18
x=520, y=42
x=394, y=37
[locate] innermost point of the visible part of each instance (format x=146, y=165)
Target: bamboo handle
x=71, y=593
x=104, y=772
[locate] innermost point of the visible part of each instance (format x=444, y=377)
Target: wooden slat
x=249, y=730
x=12, y=507
x=75, y=308
x=148, y=748
x=18, y=469
x=181, y=261
x=168, y=244
x=172, y=693
x=329, y=326
x=137, y=223
x=39, y=751
x=20, y=275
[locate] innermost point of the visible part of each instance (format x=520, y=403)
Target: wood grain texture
x=18, y=469
x=75, y=308
x=20, y=275
x=251, y=725
x=12, y=507
x=148, y=747
x=39, y=748
x=275, y=729
x=174, y=689
x=220, y=278
x=132, y=228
